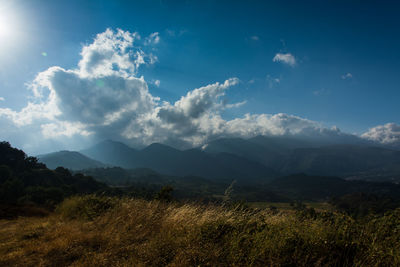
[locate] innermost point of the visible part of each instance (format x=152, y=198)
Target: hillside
x=111, y=152
x=343, y=160
x=133, y=232
x=323, y=188
x=24, y=180
x=69, y=159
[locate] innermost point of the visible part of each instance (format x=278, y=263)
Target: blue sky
x=344, y=69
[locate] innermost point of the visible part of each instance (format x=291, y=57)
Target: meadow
x=107, y=231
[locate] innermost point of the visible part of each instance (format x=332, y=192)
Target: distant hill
x=317, y=188
x=167, y=160
x=343, y=160
x=269, y=151
x=264, y=147
x=290, y=155
x=187, y=187
x=69, y=159
x=111, y=152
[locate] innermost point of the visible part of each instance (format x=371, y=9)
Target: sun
x=4, y=27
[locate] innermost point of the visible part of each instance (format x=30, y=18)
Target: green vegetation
x=85, y=207
x=359, y=205
x=133, y=232
x=319, y=206
x=24, y=181
x=297, y=187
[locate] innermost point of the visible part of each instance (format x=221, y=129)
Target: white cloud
x=109, y=54
x=101, y=96
x=2, y=98
x=347, y=76
x=236, y=105
x=157, y=83
x=105, y=98
x=190, y=119
x=205, y=98
x=385, y=134
x=153, y=38
x=68, y=129
x=287, y=58
x=266, y=124
x=255, y=38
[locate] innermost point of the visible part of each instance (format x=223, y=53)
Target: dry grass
x=151, y=233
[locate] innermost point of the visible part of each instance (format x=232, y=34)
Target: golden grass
x=151, y=233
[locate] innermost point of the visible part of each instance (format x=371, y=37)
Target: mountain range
x=170, y=161
x=287, y=156
x=257, y=159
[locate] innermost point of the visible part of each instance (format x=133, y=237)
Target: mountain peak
x=111, y=152
x=109, y=142
x=158, y=147
x=69, y=159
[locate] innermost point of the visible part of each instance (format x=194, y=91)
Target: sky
x=73, y=73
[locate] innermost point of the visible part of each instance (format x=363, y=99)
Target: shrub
x=85, y=207
x=48, y=196
x=165, y=194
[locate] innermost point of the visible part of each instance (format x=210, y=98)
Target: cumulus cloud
x=190, y=119
x=287, y=58
x=109, y=54
x=388, y=134
x=99, y=97
x=157, y=83
x=104, y=97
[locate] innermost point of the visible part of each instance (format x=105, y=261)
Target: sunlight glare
x=4, y=28
x=9, y=24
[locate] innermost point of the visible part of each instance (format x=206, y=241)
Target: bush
x=165, y=194
x=85, y=207
x=48, y=196
x=11, y=190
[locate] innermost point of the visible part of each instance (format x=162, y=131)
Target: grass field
x=100, y=231
x=319, y=206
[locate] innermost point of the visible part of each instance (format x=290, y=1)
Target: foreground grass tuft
x=98, y=231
